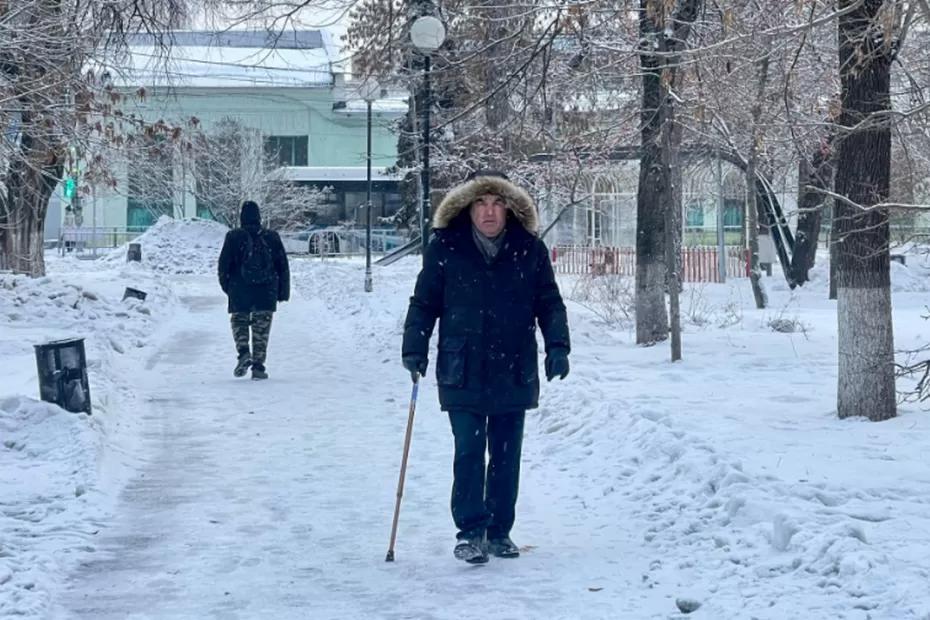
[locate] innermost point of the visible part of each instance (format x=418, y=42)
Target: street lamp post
x=427, y=34
x=370, y=91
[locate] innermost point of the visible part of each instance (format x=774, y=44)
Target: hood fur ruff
x=461, y=197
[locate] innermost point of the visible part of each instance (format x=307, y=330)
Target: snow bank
x=178, y=246
x=65, y=305
x=911, y=278
x=48, y=458
x=62, y=471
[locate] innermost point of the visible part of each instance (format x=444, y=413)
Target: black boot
x=471, y=550
x=503, y=547
x=245, y=360
x=258, y=371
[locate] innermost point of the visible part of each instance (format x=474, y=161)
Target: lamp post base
x=368, y=287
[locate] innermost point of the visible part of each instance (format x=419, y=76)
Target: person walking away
x=487, y=278
x=69, y=234
x=254, y=273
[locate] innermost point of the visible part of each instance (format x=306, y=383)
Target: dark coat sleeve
x=547, y=303
x=281, y=268
x=226, y=262
x=426, y=303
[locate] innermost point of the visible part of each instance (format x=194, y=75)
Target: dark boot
x=245, y=360
x=503, y=548
x=471, y=550
x=258, y=371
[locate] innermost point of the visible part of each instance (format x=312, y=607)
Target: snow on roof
x=230, y=59
x=335, y=173
x=388, y=105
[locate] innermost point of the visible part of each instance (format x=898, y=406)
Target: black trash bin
x=62, y=367
x=134, y=293
x=134, y=253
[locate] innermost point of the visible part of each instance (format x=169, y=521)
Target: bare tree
x=48, y=100
x=866, y=344
x=664, y=30
x=228, y=164
x=752, y=209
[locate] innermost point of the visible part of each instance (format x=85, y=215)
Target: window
x=151, y=185
x=595, y=226
x=286, y=150
x=694, y=214
x=204, y=210
x=732, y=213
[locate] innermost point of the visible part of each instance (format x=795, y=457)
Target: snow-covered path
x=273, y=499
x=725, y=478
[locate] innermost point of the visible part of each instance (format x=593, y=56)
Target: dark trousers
x=485, y=500
x=260, y=324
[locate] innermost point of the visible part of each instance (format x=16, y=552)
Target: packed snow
x=722, y=486
x=177, y=246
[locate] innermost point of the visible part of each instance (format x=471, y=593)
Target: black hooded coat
x=487, y=353
x=243, y=296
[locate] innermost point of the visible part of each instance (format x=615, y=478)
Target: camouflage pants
x=260, y=323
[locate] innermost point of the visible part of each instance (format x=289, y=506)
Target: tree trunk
x=32, y=169
x=834, y=257
x=813, y=175
x=497, y=107
x=671, y=147
x=661, y=30
x=752, y=203
x=31, y=177
x=651, y=317
x=866, y=384
x=752, y=236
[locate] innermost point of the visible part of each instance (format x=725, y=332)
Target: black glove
x=556, y=364
x=416, y=364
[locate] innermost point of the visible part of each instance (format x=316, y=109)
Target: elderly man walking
x=487, y=277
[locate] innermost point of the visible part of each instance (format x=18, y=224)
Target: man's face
x=488, y=214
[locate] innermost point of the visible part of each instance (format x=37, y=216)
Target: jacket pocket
x=527, y=365
x=450, y=365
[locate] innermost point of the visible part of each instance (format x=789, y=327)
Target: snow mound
x=912, y=278
x=42, y=436
x=48, y=458
x=905, y=279
x=178, y=246
x=52, y=300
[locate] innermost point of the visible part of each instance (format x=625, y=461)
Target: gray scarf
x=489, y=247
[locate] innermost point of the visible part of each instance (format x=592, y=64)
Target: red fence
x=698, y=264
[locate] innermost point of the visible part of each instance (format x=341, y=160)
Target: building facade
x=289, y=96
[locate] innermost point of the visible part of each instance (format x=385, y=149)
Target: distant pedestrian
x=69, y=234
x=487, y=278
x=254, y=274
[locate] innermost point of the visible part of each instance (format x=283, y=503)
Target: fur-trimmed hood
x=460, y=198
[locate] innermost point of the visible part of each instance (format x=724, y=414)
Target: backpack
x=257, y=262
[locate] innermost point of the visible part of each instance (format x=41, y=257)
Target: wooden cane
x=403, y=467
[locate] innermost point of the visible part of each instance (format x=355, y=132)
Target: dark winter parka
x=487, y=353
x=243, y=296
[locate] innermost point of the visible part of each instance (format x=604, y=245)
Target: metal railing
x=81, y=239
x=698, y=264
